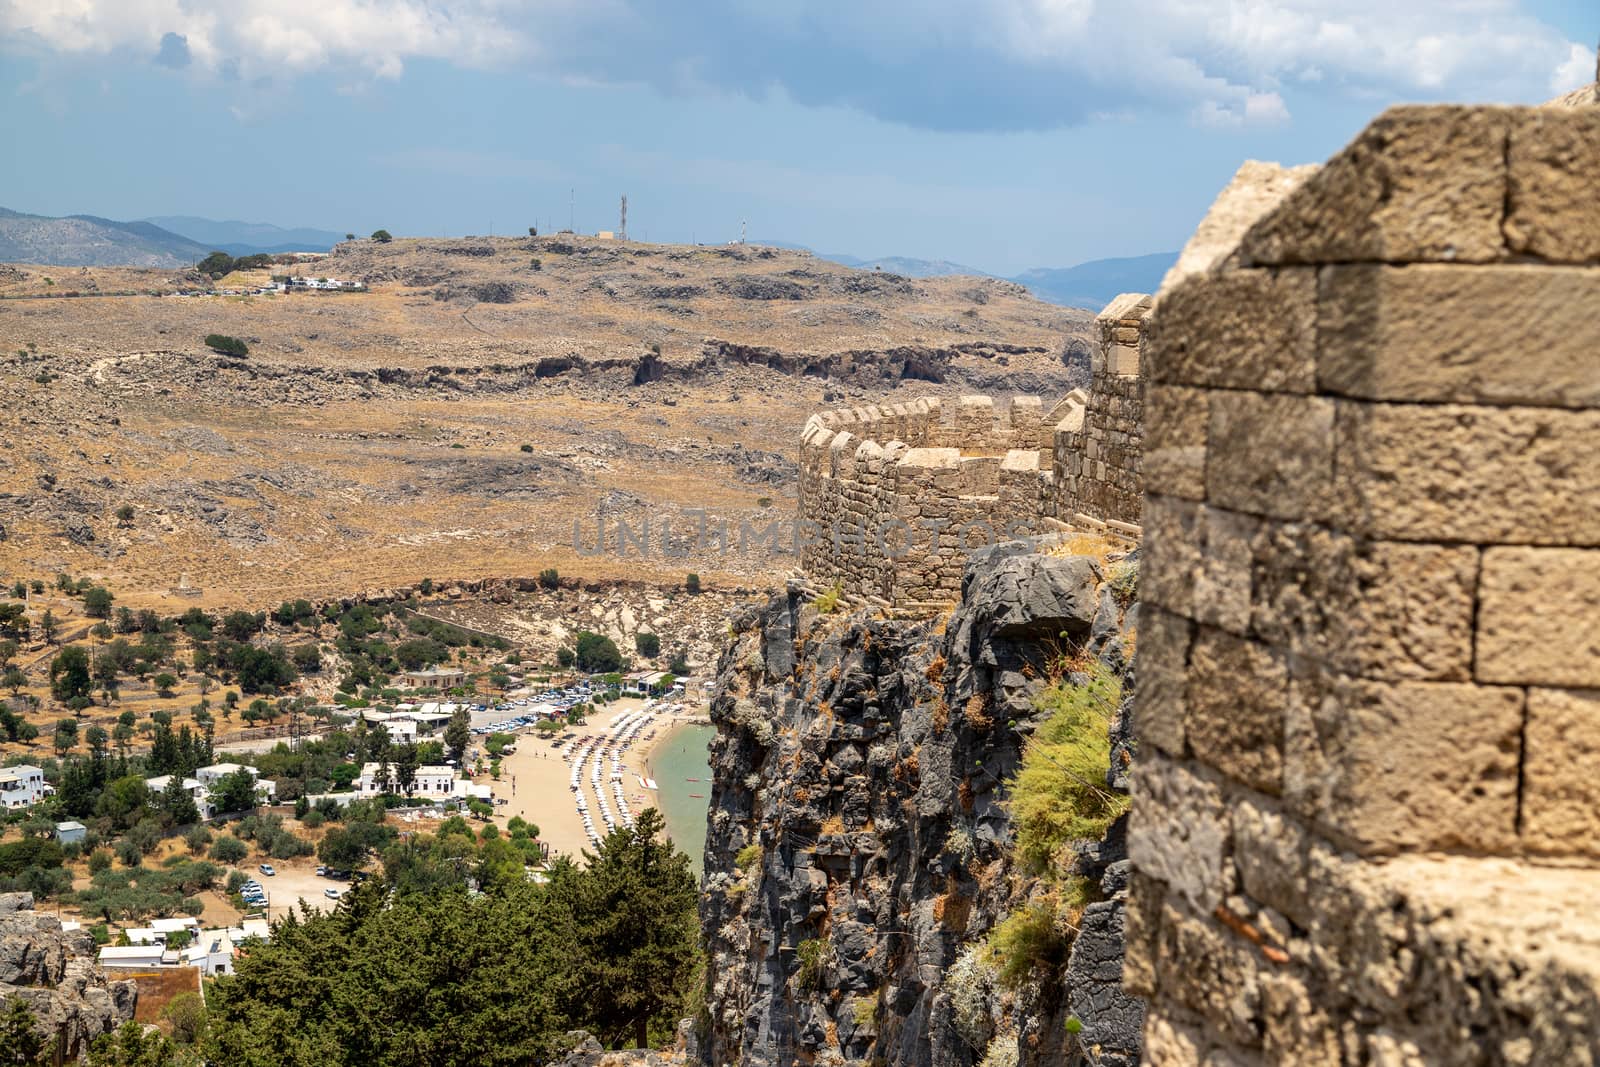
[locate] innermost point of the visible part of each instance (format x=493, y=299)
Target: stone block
x=1158, y=697
x=1270, y=454
x=1143, y=934
x=1169, y=1043
x=1211, y=973
x=1222, y=587
x=1561, y=772
x=1539, y=617
x=1234, y=708
x=1447, y=472
x=1387, y=767
x=1553, y=186
x=1499, y=334
x=1419, y=184
x=1298, y=1030
x=1179, y=831
x=1170, y=561
x=1379, y=609
x=1176, y=419
x=1270, y=852
x=1240, y=329
x=1122, y=360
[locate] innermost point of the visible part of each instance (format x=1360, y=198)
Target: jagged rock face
x=858, y=841
x=56, y=973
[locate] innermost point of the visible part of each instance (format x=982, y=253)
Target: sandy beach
x=536, y=780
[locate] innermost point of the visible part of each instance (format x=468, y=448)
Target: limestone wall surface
x=1366, y=826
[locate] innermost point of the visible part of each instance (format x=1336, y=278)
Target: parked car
x=267, y=869
x=322, y=869
x=331, y=893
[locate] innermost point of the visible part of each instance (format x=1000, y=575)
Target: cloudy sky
x=1004, y=134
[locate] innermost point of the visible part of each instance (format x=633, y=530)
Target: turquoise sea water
x=683, y=754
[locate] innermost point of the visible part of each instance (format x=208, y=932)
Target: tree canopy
x=434, y=975
x=597, y=653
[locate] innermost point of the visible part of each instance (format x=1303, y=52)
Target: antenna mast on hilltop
x=572, y=209
x=741, y=231
x=622, y=226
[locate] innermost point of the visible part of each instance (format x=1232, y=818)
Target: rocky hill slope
x=460, y=417
x=864, y=898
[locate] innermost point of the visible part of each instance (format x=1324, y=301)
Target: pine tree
x=458, y=734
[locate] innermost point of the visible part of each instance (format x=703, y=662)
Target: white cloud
x=1579, y=70
x=939, y=63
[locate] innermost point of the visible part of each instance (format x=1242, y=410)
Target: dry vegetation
x=428, y=429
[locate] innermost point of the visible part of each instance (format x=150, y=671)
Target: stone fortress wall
x=1366, y=825
x=894, y=497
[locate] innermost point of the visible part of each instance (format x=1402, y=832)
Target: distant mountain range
x=247, y=238
x=1088, y=285
x=171, y=241
x=88, y=241
x=183, y=240
x=1095, y=283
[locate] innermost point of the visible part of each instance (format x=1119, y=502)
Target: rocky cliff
x=55, y=973
x=861, y=842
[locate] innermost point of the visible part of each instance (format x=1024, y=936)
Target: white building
x=266, y=789
x=139, y=957
x=432, y=783
x=22, y=786
x=68, y=833
x=197, y=790
x=211, y=951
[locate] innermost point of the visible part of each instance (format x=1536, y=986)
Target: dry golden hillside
x=458, y=417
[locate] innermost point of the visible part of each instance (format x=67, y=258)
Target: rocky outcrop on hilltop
x=55, y=973
x=860, y=846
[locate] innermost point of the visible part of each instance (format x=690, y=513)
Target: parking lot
x=511, y=716
x=295, y=881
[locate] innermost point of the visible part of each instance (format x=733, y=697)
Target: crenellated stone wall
x=895, y=497
x=1366, y=826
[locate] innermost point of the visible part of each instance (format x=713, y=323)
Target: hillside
x=457, y=420
x=88, y=241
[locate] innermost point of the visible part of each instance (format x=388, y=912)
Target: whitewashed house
x=266, y=789
x=434, y=782
x=22, y=786
x=196, y=789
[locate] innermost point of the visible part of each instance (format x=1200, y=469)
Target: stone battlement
x=894, y=497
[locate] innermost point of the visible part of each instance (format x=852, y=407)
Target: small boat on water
x=691, y=779
x=698, y=796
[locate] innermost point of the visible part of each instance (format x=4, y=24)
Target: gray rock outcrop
x=859, y=844
x=55, y=972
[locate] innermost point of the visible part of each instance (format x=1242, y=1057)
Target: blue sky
x=1004, y=134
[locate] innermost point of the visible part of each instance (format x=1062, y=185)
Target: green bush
x=1037, y=936
x=597, y=653
x=229, y=849
x=812, y=954
x=1059, y=793
x=828, y=602
x=383, y=237
x=227, y=346
x=748, y=857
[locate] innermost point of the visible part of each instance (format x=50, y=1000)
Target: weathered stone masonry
x=894, y=497
x=1366, y=826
